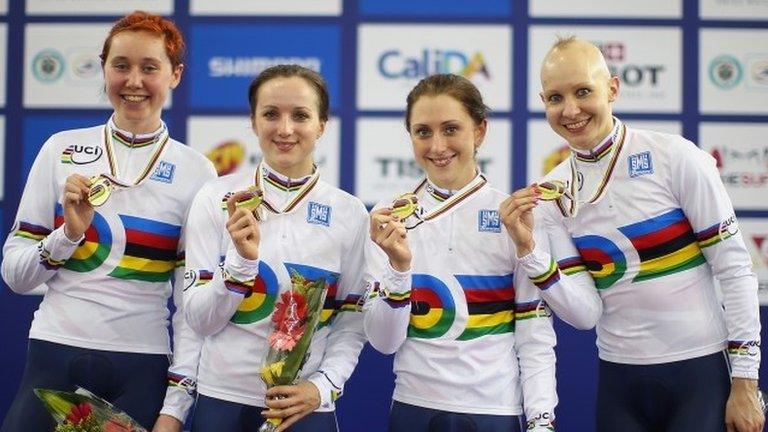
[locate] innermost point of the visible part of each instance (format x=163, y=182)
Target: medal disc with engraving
x=250, y=201
x=101, y=188
x=551, y=190
x=405, y=205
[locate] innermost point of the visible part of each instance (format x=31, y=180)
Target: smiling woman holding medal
x=252, y=237
x=100, y=222
x=458, y=290
x=655, y=227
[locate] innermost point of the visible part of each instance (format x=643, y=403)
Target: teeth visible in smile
x=441, y=162
x=578, y=125
x=132, y=98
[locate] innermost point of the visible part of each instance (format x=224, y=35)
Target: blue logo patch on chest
x=640, y=164
x=164, y=172
x=488, y=221
x=319, y=214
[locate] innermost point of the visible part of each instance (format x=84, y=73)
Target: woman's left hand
x=516, y=212
x=166, y=423
x=291, y=403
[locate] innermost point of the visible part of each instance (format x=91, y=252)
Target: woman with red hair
x=100, y=222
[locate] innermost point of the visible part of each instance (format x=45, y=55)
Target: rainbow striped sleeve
x=528, y=310
x=548, y=278
x=238, y=286
x=181, y=381
x=351, y=303
x=31, y=231
x=572, y=265
x=716, y=233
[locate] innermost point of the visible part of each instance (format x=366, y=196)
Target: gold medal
x=252, y=200
x=405, y=205
x=551, y=190
x=101, y=189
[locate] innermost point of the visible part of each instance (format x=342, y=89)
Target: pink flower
x=283, y=341
x=114, y=425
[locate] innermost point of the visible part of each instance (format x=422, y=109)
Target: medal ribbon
x=573, y=209
x=473, y=186
x=163, y=138
x=261, y=171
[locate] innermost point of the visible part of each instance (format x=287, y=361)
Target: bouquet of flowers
x=295, y=320
x=82, y=411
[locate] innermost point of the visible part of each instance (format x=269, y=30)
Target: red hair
x=155, y=24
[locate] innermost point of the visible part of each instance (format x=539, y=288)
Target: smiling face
x=577, y=91
x=444, y=139
x=138, y=76
x=287, y=122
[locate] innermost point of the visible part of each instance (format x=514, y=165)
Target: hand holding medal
x=78, y=211
x=388, y=230
x=242, y=225
x=516, y=213
x=251, y=200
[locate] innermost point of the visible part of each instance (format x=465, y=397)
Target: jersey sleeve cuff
x=58, y=246
x=327, y=390
x=177, y=403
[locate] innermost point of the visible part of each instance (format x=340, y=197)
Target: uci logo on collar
x=319, y=214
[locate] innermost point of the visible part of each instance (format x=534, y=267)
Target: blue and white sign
x=3, y=61
x=97, y=7
x=432, y=8
x=226, y=58
x=266, y=7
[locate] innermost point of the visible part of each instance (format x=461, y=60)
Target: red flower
x=290, y=313
x=79, y=413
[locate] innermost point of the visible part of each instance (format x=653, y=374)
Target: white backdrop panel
x=265, y=7
x=97, y=7
x=733, y=71
x=392, y=58
x=650, y=77
x=741, y=152
x=733, y=9
x=603, y=9
x=385, y=164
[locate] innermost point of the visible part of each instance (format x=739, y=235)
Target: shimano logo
x=228, y=67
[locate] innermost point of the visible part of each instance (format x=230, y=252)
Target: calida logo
x=394, y=64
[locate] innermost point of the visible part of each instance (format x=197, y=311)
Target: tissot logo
x=395, y=64
x=633, y=75
x=395, y=167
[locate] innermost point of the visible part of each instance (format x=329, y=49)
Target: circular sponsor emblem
x=48, y=65
x=759, y=72
x=85, y=66
x=725, y=71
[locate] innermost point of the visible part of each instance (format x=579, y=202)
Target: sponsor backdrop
x=695, y=67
